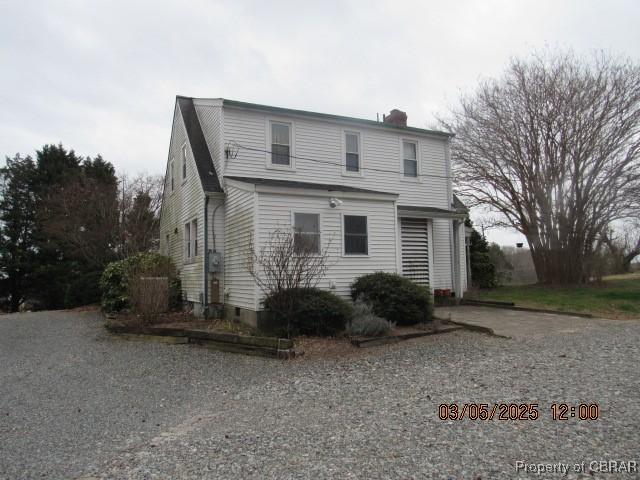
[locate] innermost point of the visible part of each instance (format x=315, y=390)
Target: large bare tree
x=552, y=149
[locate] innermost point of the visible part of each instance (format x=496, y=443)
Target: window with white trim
x=172, y=175
x=352, y=152
x=356, y=238
x=280, y=144
x=191, y=239
x=184, y=162
x=306, y=232
x=410, y=159
x=187, y=240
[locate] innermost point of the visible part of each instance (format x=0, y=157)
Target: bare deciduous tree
x=140, y=200
x=552, y=148
x=287, y=262
x=82, y=216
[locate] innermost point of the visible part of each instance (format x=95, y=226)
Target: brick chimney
x=396, y=117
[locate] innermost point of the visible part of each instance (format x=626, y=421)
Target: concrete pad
x=519, y=324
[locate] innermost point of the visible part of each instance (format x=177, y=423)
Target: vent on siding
x=415, y=249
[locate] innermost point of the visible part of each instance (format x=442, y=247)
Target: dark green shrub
x=114, y=282
x=394, y=297
x=83, y=290
x=307, y=311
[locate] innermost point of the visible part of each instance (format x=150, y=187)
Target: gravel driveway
x=77, y=402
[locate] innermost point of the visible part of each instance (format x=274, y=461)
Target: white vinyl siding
x=183, y=205
x=239, y=231
x=274, y=213
x=320, y=156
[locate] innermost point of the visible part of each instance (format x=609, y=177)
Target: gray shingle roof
x=312, y=186
x=201, y=154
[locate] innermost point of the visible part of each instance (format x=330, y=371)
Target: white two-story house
x=377, y=194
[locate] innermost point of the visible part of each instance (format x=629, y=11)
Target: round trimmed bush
x=394, y=297
x=312, y=312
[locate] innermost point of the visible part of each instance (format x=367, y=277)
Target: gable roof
x=329, y=116
x=201, y=154
x=269, y=182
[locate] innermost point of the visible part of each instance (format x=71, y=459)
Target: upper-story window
x=410, y=159
x=306, y=232
x=281, y=144
x=172, y=175
x=352, y=148
x=184, y=162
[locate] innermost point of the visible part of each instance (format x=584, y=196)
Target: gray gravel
x=73, y=401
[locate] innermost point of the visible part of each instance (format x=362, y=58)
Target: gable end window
x=356, y=238
x=352, y=152
x=184, y=162
x=280, y=144
x=306, y=232
x=410, y=159
x=172, y=175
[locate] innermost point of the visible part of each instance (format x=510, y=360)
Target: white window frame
x=195, y=248
x=183, y=163
x=342, y=233
x=292, y=148
x=345, y=172
x=186, y=242
x=190, y=240
x=416, y=142
x=312, y=212
x=172, y=175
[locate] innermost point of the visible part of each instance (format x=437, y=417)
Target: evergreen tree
x=17, y=229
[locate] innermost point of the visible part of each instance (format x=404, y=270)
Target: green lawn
x=617, y=296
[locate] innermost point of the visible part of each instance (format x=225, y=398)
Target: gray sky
x=101, y=76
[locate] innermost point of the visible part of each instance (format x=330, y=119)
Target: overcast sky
x=101, y=76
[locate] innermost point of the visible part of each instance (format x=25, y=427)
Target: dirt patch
x=341, y=347
x=183, y=320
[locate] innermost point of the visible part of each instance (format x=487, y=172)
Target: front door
x=414, y=233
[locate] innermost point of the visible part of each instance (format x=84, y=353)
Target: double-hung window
x=410, y=159
x=184, y=162
x=352, y=152
x=172, y=175
x=281, y=144
x=306, y=232
x=191, y=239
x=356, y=238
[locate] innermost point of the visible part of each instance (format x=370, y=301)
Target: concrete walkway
x=519, y=324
